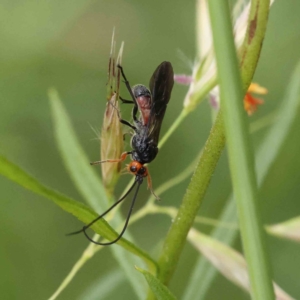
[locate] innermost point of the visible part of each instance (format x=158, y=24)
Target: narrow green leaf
x=160, y=290
x=89, y=185
x=75, y=159
x=240, y=154
x=79, y=210
x=204, y=273
x=289, y=229
x=228, y=261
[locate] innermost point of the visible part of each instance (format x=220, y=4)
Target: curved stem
x=173, y=127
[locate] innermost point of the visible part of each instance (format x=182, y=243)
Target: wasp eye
x=133, y=169
x=141, y=171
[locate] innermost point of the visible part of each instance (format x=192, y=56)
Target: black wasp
x=152, y=105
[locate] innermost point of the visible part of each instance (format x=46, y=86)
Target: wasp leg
x=149, y=181
x=125, y=101
x=135, y=108
x=122, y=120
x=122, y=158
x=127, y=124
x=127, y=133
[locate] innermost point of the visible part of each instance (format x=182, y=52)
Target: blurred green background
x=65, y=44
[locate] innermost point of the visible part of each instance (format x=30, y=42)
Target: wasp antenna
x=102, y=215
x=139, y=180
x=75, y=232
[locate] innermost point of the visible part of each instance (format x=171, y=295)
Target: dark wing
x=161, y=84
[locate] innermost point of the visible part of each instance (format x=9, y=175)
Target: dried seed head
x=111, y=134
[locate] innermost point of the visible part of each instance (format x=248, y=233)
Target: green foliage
x=240, y=154
x=66, y=45
x=159, y=290
x=265, y=157
x=79, y=210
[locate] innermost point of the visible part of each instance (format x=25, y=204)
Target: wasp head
x=137, y=169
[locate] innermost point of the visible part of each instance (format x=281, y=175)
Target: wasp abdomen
x=144, y=151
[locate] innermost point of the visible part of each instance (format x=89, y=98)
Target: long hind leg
x=149, y=181
x=122, y=158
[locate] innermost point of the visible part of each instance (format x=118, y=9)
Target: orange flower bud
x=251, y=103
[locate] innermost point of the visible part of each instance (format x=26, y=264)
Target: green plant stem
x=250, y=50
x=152, y=208
x=177, y=235
x=199, y=93
x=240, y=151
x=195, y=98
x=87, y=255
x=173, y=127
x=203, y=273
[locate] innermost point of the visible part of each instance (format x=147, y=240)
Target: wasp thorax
x=143, y=99
x=140, y=90
x=137, y=168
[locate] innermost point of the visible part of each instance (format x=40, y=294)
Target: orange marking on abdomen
x=144, y=103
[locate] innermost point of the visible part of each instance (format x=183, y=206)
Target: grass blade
x=160, y=291
x=289, y=229
x=240, y=151
x=74, y=158
x=228, y=261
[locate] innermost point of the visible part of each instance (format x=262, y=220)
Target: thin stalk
x=173, y=127
x=86, y=255
x=240, y=151
x=176, y=237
